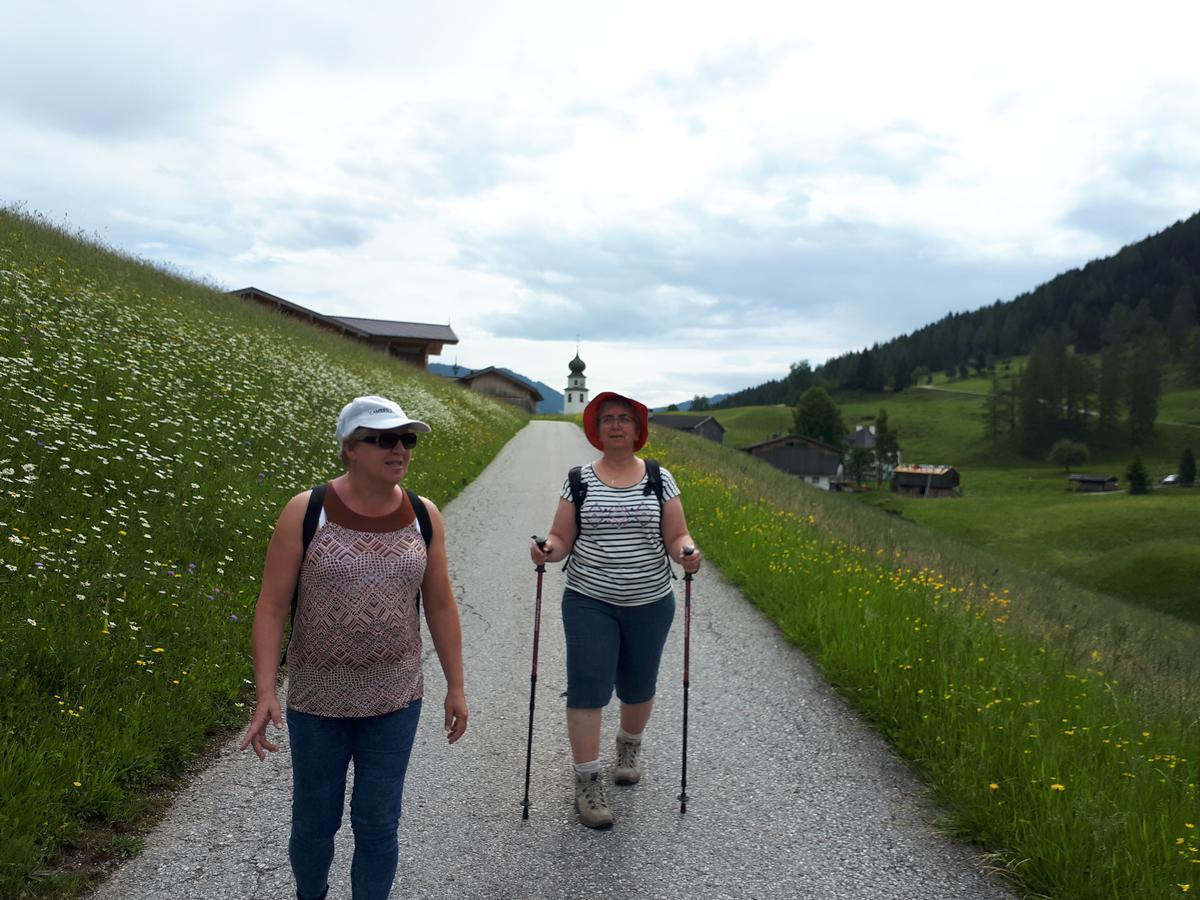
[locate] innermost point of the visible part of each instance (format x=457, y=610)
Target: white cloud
x=704, y=192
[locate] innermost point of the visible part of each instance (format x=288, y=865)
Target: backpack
x=312, y=517
x=579, y=493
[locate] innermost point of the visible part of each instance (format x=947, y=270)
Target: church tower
x=575, y=396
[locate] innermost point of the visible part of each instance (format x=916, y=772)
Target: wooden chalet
x=926, y=481
x=815, y=461
x=499, y=385
x=1088, y=484
x=705, y=426
x=413, y=342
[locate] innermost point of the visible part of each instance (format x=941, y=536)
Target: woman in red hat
x=619, y=601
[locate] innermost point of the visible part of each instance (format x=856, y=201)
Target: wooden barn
x=1088, y=484
x=413, y=342
x=816, y=462
x=926, y=481
x=705, y=426
x=504, y=387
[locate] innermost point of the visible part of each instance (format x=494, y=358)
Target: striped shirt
x=618, y=555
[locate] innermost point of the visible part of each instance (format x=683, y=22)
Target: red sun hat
x=591, y=418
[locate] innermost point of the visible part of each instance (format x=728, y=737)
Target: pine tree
x=1111, y=380
x=1187, y=468
x=1138, y=478
x=1181, y=322
x=1191, y=365
x=1145, y=387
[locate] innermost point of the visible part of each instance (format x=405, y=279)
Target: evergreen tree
x=1111, y=380
x=1191, y=363
x=1181, y=322
x=1138, y=478
x=1187, y=468
x=817, y=416
x=993, y=413
x=699, y=404
x=1145, y=387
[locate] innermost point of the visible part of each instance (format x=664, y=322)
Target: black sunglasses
x=389, y=439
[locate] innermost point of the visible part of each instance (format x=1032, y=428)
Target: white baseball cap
x=377, y=413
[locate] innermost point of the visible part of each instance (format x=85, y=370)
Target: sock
x=636, y=738
x=587, y=768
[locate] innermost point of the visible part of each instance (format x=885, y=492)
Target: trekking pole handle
x=541, y=545
x=688, y=550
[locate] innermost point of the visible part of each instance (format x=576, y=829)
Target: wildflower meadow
x=1064, y=743
x=151, y=430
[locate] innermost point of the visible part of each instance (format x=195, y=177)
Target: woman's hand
x=265, y=710
x=456, y=714
x=690, y=561
x=540, y=554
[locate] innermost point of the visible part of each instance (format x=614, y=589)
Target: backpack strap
x=654, y=479
x=654, y=483
x=578, y=488
x=423, y=522
x=578, y=493
x=312, y=517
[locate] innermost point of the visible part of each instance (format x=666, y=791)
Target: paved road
x=791, y=796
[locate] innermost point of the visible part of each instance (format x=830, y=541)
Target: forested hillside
x=1101, y=340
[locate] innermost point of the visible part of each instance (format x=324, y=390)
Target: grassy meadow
x=1057, y=728
x=151, y=430
x=1140, y=549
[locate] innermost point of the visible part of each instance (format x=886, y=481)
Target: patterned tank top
x=356, y=639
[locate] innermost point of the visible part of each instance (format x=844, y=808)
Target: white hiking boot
x=591, y=800
x=627, y=770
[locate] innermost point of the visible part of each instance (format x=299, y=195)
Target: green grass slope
x=1144, y=550
x=151, y=430
x=1055, y=726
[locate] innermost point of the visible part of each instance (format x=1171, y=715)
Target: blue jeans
x=322, y=748
x=609, y=645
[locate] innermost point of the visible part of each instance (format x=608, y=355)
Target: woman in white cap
x=354, y=661
x=618, y=603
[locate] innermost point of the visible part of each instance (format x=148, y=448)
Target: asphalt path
x=791, y=796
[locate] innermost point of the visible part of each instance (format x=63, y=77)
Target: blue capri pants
x=610, y=645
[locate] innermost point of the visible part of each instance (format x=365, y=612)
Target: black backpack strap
x=312, y=517
x=654, y=479
x=578, y=488
x=578, y=493
x=654, y=484
x=423, y=522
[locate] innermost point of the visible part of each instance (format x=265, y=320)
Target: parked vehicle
x=1172, y=479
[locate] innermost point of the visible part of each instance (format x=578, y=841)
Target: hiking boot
x=591, y=801
x=627, y=770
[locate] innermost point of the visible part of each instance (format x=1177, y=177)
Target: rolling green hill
x=1144, y=550
x=152, y=430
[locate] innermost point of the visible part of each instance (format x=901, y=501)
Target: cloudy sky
x=703, y=193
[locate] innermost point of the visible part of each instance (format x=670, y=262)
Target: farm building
x=926, y=481
x=504, y=387
x=706, y=426
x=815, y=461
x=413, y=342
x=1092, y=483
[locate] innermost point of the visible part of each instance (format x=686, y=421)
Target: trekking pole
x=687, y=654
x=537, y=631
